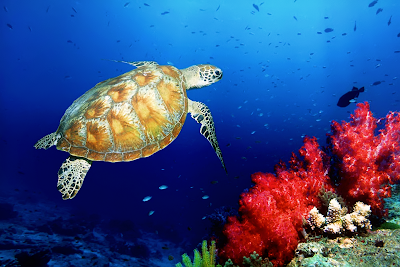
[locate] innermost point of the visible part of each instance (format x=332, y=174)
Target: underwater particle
x=151, y=212
x=328, y=30
x=9, y=26
x=170, y=257
x=355, y=25
x=205, y=197
x=126, y=4
x=74, y=10
x=318, y=120
x=147, y=198
x=5, y=9
x=164, y=13
x=228, y=145
x=214, y=182
x=398, y=35
x=253, y=132
x=162, y=187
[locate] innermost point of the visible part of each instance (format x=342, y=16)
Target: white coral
x=316, y=219
x=338, y=221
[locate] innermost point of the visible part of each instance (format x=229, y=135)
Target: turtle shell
x=127, y=117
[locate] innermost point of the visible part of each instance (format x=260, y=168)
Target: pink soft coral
x=368, y=163
x=272, y=211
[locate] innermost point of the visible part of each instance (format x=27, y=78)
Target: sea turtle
x=128, y=117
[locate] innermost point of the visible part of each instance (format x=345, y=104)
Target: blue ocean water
x=285, y=64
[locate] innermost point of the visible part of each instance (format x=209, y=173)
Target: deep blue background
x=281, y=79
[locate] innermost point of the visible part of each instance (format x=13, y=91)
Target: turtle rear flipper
x=71, y=176
x=202, y=114
x=47, y=141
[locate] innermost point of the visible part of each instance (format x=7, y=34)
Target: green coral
x=253, y=261
x=205, y=259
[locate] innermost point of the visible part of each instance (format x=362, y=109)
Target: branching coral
x=338, y=221
x=368, y=163
x=272, y=211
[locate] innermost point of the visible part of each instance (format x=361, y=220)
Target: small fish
x=295, y=18
x=74, y=10
x=164, y=13
x=319, y=32
x=205, y=197
x=218, y=8
x=376, y=83
x=126, y=4
x=147, y=198
x=348, y=97
x=355, y=25
x=69, y=41
x=30, y=29
x=398, y=35
x=146, y=4
x=170, y=257
x=326, y=17
x=373, y=3
x=151, y=212
x=5, y=8
x=9, y=26
x=397, y=51
x=344, y=34
x=328, y=30
x=163, y=187
x=256, y=7
x=379, y=11
x=390, y=21
x=165, y=247
x=214, y=182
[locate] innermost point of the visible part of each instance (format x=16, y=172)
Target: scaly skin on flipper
x=202, y=114
x=47, y=141
x=71, y=176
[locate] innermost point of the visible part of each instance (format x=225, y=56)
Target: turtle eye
x=217, y=72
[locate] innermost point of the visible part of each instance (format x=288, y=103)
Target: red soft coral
x=368, y=163
x=272, y=211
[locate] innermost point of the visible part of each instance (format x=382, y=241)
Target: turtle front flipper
x=47, y=141
x=202, y=114
x=71, y=176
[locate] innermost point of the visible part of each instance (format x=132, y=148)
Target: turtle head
x=198, y=76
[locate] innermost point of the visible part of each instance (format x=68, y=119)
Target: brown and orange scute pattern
x=127, y=117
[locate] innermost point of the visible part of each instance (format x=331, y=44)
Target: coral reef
x=363, y=168
x=379, y=248
x=272, y=211
x=338, y=220
x=368, y=164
